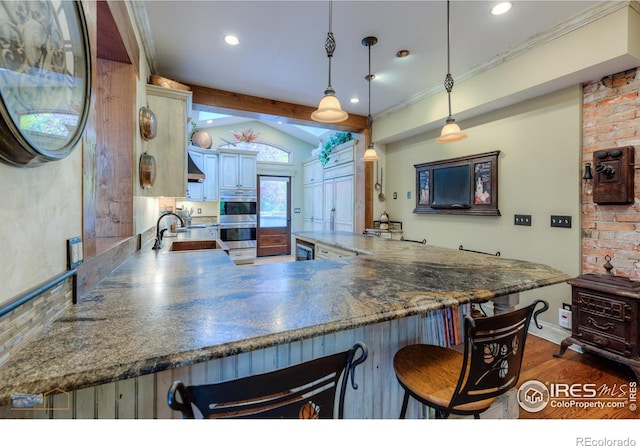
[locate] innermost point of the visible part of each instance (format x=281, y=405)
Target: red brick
x=618, y=99
x=615, y=227
x=611, y=118
x=628, y=217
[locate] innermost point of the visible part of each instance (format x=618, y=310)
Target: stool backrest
x=306, y=390
x=493, y=351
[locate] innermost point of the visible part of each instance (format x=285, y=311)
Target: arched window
x=272, y=154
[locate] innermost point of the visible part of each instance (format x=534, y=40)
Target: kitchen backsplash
x=200, y=208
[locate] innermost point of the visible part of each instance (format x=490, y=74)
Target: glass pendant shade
x=370, y=154
x=329, y=110
x=451, y=132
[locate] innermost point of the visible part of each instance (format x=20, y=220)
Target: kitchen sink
x=192, y=245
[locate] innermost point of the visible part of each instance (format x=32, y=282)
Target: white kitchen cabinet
x=312, y=171
x=338, y=203
x=207, y=190
x=210, y=192
x=238, y=172
x=313, y=196
x=339, y=190
x=169, y=145
x=313, y=200
x=323, y=251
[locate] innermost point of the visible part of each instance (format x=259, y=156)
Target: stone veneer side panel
x=611, y=118
x=22, y=324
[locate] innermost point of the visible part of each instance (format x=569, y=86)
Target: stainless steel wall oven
x=238, y=223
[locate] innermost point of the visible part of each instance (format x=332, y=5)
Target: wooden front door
x=274, y=215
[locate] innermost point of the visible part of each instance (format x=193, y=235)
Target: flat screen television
x=451, y=187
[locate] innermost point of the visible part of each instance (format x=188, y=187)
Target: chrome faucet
x=159, y=233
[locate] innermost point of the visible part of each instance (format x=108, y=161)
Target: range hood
x=194, y=174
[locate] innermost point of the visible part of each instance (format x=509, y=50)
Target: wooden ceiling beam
x=269, y=109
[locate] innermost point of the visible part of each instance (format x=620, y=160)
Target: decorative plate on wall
x=147, y=170
x=201, y=139
x=45, y=80
x=148, y=124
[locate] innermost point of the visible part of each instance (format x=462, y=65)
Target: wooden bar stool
x=304, y=390
x=467, y=383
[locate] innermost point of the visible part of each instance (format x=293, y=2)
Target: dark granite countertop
x=163, y=309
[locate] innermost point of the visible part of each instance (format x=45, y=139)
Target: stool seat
x=432, y=372
x=467, y=383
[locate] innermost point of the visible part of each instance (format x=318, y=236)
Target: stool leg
x=405, y=403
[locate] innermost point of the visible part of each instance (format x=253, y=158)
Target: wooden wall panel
x=115, y=92
x=89, y=141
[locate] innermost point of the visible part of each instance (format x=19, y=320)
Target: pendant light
x=370, y=154
x=329, y=110
x=451, y=131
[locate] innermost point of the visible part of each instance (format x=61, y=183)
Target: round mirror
x=45, y=80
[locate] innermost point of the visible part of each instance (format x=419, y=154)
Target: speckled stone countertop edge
x=119, y=372
x=81, y=378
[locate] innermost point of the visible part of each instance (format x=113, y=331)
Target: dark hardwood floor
x=575, y=368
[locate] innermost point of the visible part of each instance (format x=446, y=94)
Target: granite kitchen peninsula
x=196, y=316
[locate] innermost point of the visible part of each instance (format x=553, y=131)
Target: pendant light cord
x=448, y=80
x=369, y=117
x=330, y=43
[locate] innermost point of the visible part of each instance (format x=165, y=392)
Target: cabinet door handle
x=606, y=327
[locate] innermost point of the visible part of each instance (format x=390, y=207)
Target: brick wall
x=611, y=118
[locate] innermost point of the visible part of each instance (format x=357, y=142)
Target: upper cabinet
x=312, y=210
x=238, y=172
x=207, y=189
x=169, y=146
x=312, y=171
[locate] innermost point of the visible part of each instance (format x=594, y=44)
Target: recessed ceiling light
x=402, y=53
x=209, y=121
x=501, y=8
x=231, y=39
x=354, y=100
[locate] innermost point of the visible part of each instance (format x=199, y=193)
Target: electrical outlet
x=560, y=221
x=409, y=195
x=395, y=195
x=564, y=316
x=522, y=220
x=74, y=252
x=199, y=210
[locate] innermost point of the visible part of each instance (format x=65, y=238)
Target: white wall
x=539, y=174
x=41, y=209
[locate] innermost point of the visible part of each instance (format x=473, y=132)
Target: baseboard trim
x=552, y=333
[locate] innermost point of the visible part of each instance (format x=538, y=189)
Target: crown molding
x=144, y=28
x=591, y=15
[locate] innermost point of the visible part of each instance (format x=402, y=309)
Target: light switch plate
x=74, y=252
x=522, y=220
x=560, y=221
